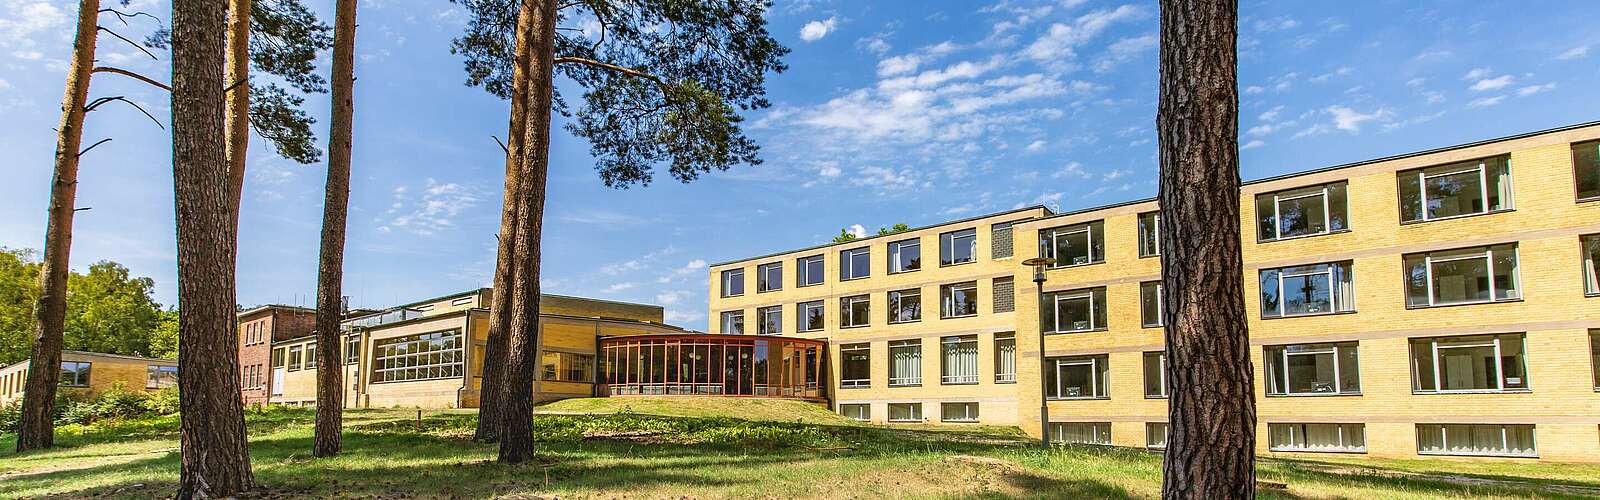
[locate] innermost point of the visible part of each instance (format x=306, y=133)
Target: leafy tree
x=164, y=339
x=110, y=310
x=896, y=229
x=844, y=235
x=662, y=83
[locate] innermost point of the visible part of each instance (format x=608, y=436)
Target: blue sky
x=912, y=112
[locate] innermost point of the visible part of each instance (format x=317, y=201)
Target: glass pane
x=1301, y=216
x=1586, y=166
x=1311, y=373
x=1149, y=234
x=1591, y=264
x=1155, y=385
x=1511, y=362
x=1457, y=193
x=1338, y=207
x=1150, y=303
x=1099, y=308
x=1349, y=369
x=1266, y=217
x=1097, y=242
x=1505, y=273
x=860, y=311
x=1467, y=367
x=1270, y=305
x=1416, y=281
x=1307, y=294
x=1422, y=375
x=1073, y=314
x=1464, y=280
x=1076, y=380
x=1274, y=370
x=1072, y=248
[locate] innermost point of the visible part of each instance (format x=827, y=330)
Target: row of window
x=951, y=412
x=1503, y=440
x=956, y=300
x=255, y=332
x=958, y=362
x=904, y=256
x=76, y=374
x=1439, y=365
x=252, y=377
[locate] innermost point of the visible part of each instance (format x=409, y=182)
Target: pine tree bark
x=490, y=390
x=335, y=209
x=215, y=456
x=37, y=428
x=1211, y=444
x=236, y=118
x=516, y=431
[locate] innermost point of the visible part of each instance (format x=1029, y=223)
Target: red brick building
x=258, y=328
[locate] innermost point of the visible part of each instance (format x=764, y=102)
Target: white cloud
x=1574, y=53
x=878, y=43
x=24, y=19
x=1254, y=89
x=815, y=30
x=1350, y=120
x=885, y=178
x=671, y=297
x=1046, y=199
x=858, y=230
x=1342, y=71
x=1125, y=50
x=1486, y=101
x=1035, y=146
x=1495, y=83
x=434, y=210
x=1115, y=174
x=1253, y=144
x=1275, y=24
x=626, y=285
x=1271, y=114
x=1073, y=169
x=1476, y=73
x=1060, y=40
x=683, y=317
x=690, y=268
x=1534, y=89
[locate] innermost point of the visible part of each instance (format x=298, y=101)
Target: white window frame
x=1499, y=366
x=1300, y=427
x=847, y=319
x=855, y=382
x=1156, y=218
x=726, y=315
x=1166, y=433
x=1444, y=441
x=1487, y=254
x=915, y=417
x=1077, y=294
x=1086, y=228
x=846, y=262
x=803, y=315
x=906, y=380
x=947, y=297
x=895, y=298
x=1101, y=432
x=1095, y=384
x=1483, y=190
x=952, y=238
x=726, y=277
x=969, y=414
x=1161, y=306
x=865, y=416
x=802, y=271
x=773, y=284
x=896, y=251
x=945, y=376
x=1591, y=265
x=777, y=326
x=1335, y=303
x=1303, y=193
x=1161, y=366
x=1003, y=375
x=1313, y=350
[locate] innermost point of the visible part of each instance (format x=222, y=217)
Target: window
x=958, y=300
x=1080, y=377
x=1313, y=369
x=1005, y=359
x=295, y=357
x=859, y=411
x=808, y=271
x=1150, y=234
x=1464, y=276
x=417, y=357
x=1591, y=264
x=568, y=367
x=1455, y=190
x=958, y=412
x=905, y=305
x=809, y=315
x=855, y=264
x=1307, y=290
x=1307, y=211
x=277, y=357
x=352, y=349
x=461, y=301
x=1493, y=440
x=959, y=363
x=1150, y=311
x=1155, y=374
x=311, y=356
x=1478, y=363
x=1594, y=356
x=905, y=363
x=905, y=412
x=733, y=283
x=855, y=365
x=1155, y=435
x=855, y=311
x=75, y=373
x=1586, y=167
x=1075, y=311
x=1074, y=245
x=958, y=247
x=905, y=256
x=1004, y=296
x=1095, y=433
x=769, y=277
x=161, y=376
x=1317, y=438
x=771, y=320
x=733, y=322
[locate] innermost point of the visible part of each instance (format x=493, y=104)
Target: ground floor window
x=568, y=367
x=855, y=365
x=1079, y=377
x=1155, y=374
x=1098, y=433
x=905, y=412
x=159, y=376
x=959, y=412
x=75, y=373
x=1476, y=439
x=1477, y=363
x=861, y=411
x=1330, y=438
x=1313, y=369
x=414, y=357
x=1155, y=435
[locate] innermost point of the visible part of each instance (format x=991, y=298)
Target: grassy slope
x=768, y=410
x=389, y=453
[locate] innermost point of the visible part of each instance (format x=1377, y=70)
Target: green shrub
x=10, y=417
x=162, y=402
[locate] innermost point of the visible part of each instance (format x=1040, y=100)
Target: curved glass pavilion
x=712, y=365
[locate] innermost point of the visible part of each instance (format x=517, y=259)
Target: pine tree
x=335, y=210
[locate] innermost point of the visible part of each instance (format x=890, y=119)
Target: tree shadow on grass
x=1293, y=474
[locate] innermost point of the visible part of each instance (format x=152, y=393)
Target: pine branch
x=97, y=102
x=91, y=146
x=123, y=16
x=502, y=144
x=608, y=66
x=130, y=74
x=130, y=42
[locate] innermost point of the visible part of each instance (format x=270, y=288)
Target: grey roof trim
x=858, y=241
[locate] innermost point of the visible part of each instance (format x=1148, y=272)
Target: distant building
x=259, y=328
x=92, y=373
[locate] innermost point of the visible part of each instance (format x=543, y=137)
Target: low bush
x=116, y=403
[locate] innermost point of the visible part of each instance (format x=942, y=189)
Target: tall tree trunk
x=494, y=356
x=37, y=429
x=516, y=433
x=216, y=457
x=335, y=208
x=1211, y=447
x=236, y=118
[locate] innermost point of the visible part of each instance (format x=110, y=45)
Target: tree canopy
x=108, y=310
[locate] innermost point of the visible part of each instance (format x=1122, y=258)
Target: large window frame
x=1296, y=206
x=905, y=256
x=163, y=376
x=856, y=411
x=1586, y=170
x=413, y=358
x=958, y=300
x=1422, y=276
x=1430, y=372
x=75, y=373
x=1338, y=287
x=1589, y=246
x=809, y=271
x=560, y=366
x=810, y=316
x=855, y=311
x=1478, y=435
x=905, y=363
x=905, y=306
x=352, y=349
x=296, y=357
x=1005, y=359
x=1494, y=183
x=1297, y=437
x=732, y=282
x=1152, y=310
x=1155, y=375
x=958, y=412
x=1156, y=434
x=958, y=360
x=771, y=320
x=769, y=277
x=903, y=413
x=1057, y=240
x=732, y=322
x=1080, y=433
x=855, y=264
x=951, y=244
x=1149, y=234
x=1096, y=311
x=1285, y=365
x=855, y=366
x=1094, y=371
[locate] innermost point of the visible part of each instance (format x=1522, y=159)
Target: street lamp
x=1039, y=264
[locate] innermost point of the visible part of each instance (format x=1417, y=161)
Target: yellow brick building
x=429, y=353
x=90, y=373
x=1443, y=302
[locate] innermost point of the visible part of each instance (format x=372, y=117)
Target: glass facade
x=414, y=357
x=712, y=365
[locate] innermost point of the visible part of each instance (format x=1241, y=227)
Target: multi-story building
x=259, y=327
x=90, y=373
x=1443, y=302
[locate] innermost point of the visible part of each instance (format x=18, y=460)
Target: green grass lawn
x=693, y=448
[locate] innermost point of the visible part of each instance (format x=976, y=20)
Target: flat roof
x=1047, y=213
x=101, y=354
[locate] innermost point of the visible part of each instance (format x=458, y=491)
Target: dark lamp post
x=1039, y=264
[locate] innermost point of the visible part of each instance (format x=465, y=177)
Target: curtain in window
x=1005, y=363
x=961, y=360
x=905, y=364
x=1498, y=172
x=1344, y=288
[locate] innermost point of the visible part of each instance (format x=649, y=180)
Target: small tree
x=335, y=210
x=662, y=81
